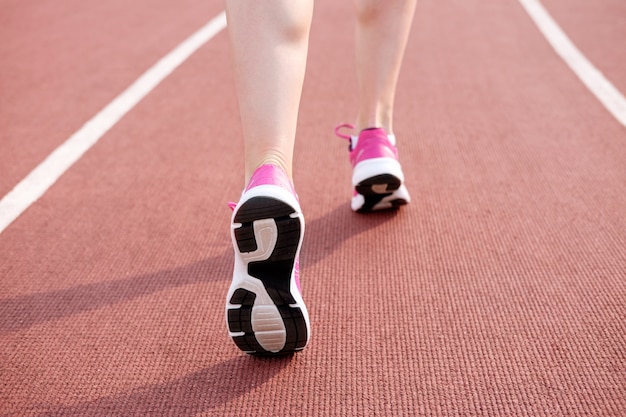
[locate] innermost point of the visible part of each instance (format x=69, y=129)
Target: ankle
x=374, y=122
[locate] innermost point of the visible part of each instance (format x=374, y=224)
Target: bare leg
x=270, y=42
x=382, y=31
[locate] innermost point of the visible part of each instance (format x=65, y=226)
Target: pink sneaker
x=377, y=177
x=265, y=312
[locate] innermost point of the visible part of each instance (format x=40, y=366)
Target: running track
x=500, y=291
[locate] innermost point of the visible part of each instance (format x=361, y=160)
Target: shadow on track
x=190, y=395
x=325, y=234
x=23, y=312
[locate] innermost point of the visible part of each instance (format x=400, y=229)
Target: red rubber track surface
x=499, y=291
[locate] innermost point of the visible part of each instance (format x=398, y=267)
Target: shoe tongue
x=354, y=140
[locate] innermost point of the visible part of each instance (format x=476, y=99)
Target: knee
x=295, y=23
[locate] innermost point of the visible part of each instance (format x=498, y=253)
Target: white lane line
x=609, y=96
x=40, y=179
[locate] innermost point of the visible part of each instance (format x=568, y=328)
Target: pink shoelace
x=342, y=135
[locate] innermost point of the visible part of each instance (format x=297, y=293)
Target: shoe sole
x=382, y=192
x=378, y=184
x=265, y=312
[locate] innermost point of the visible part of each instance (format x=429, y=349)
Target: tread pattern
x=369, y=189
x=274, y=273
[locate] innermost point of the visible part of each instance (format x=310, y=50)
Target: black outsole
x=274, y=273
x=368, y=206
x=365, y=187
x=372, y=197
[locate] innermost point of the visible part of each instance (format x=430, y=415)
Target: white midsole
x=376, y=166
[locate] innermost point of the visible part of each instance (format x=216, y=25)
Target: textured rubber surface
x=275, y=273
x=377, y=188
